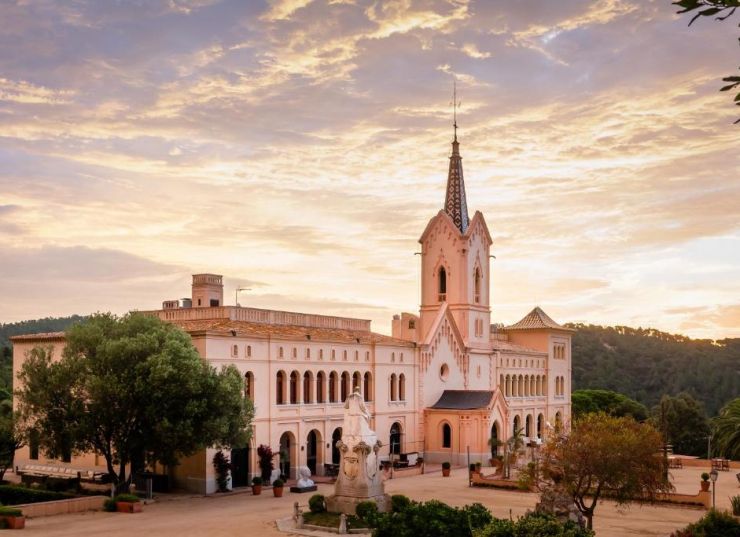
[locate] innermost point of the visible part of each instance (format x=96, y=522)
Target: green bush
x=446, y=465
x=10, y=511
x=317, y=503
x=532, y=525
x=256, y=480
x=713, y=524
x=367, y=511
x=130, y=498
x=477, y=515
x=704, y=476
x=278, y=483
x=399, y=503
x=109, y=505
x=15, y=495
x=431, y=519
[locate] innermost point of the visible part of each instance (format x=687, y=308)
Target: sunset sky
x=299, y=148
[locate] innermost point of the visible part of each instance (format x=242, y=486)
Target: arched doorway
x=540, y=423
x=335, y=437
x=240, y=466
x=313, y=451
x=288, y=454
x=494, y=439
x=395, y=439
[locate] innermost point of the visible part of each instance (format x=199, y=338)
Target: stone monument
x=359, y=476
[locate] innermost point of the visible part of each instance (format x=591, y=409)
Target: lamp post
x=713, y=476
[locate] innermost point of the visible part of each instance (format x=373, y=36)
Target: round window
x=444, y=372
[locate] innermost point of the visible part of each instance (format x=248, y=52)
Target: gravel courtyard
x=244, y=514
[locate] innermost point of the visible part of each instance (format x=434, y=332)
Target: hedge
x=14, y=495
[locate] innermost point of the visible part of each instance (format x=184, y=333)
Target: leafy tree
x=131, y=389
x=604, y=455
x=533, y=525
x=726, y=431
x=612, y=403
x=683, y=423
x=721, y=10
x=10, y=437
x=713, y=524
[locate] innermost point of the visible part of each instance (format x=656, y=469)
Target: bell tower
x=455, y=263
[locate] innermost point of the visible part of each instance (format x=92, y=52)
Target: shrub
x=257, y=480
x=704, y=476
x=713, y=524
x=399, y=503
x=431, y=519
x=10, y=511
x=266, y=465
x=367, y=511
x=317, y=503
x=446, y=465
x=221, y=464
x=130, y=498
x=14, y=495
x=735, y=501
x=278, y=483
x=477, y=515
x=532, y=525
x=109, y=505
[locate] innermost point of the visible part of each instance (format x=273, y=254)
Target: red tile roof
x=34, y=337
x=537, y=320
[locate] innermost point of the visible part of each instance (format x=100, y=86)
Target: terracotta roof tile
x=537, y=320
x=33, y=337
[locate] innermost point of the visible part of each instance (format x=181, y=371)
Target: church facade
x=444, y=385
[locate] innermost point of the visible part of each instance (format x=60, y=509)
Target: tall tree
x=683, y=423
x=726, y=431
x=11, y=438
x=606, y=455
x=612, y=403
x=720, y=10
x=131, y=389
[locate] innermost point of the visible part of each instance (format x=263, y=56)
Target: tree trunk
x=590, y=520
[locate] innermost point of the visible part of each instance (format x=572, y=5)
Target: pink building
x=444, y=384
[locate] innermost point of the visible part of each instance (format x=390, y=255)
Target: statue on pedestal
x=359, y=477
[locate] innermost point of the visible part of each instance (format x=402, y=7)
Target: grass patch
x=331, y=520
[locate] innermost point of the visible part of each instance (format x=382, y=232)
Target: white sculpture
x=274, y=476
x=304, y=477
x=359, y=479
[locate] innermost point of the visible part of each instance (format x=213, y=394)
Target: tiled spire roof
x=455, y=203
x=536, y=319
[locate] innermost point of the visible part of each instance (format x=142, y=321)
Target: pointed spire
x=455, y=203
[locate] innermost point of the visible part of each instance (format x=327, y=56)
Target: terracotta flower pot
x=277, y=491
x=446, y=472
x=705, y=486
x=14, y=522
x=256, y=490
x=128, y=507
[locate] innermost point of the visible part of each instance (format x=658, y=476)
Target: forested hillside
x=49, y=324
x=645, y=364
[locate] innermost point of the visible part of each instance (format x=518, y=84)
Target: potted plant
x=127, y=503
x=257, y=485
x=12, y=517
x=478, y=466
x=266, y=455
x=277, y=488
x=704, y=482
x=446, y=469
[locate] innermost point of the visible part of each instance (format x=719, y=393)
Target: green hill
x=644, y=364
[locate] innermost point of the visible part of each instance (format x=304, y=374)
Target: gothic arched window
x=442, y=284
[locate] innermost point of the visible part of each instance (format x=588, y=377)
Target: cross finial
x=454, y=106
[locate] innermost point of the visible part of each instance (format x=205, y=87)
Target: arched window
x=494, y=439
x=249, y=351
x=558, y=420
x=357, y=356
x=345, y=386
x=280, y=388
x=333, y=381
x=344, y=355
x=476, y=278
x=235, y=350
x=514, y=386
x=526, y=385
x=538, y=386
x=517, y=425
x=528, y=426
x=442, y=284
x=520, y=388
x=446, y=435
x=294, y=388
x=356, y=380
x=531, y=386
x=320, y=382
x=249, y=385
x=307, y=384
x=367, y=388
x=401, y=387
x=544, y=384
x=295, y=353
x=508, y=386
x=395, y=439
x=308, y=353
x=281, y=354
x=393, y=387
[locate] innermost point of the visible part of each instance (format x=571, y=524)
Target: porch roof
x=464, y=399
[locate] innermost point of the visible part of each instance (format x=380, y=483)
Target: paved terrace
x=247, y=515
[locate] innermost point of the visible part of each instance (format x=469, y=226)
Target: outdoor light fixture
x=713, y=476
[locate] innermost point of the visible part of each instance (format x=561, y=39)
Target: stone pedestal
x=311, y=488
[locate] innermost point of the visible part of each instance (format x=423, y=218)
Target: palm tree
x=511, y=446
x=726, y=430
